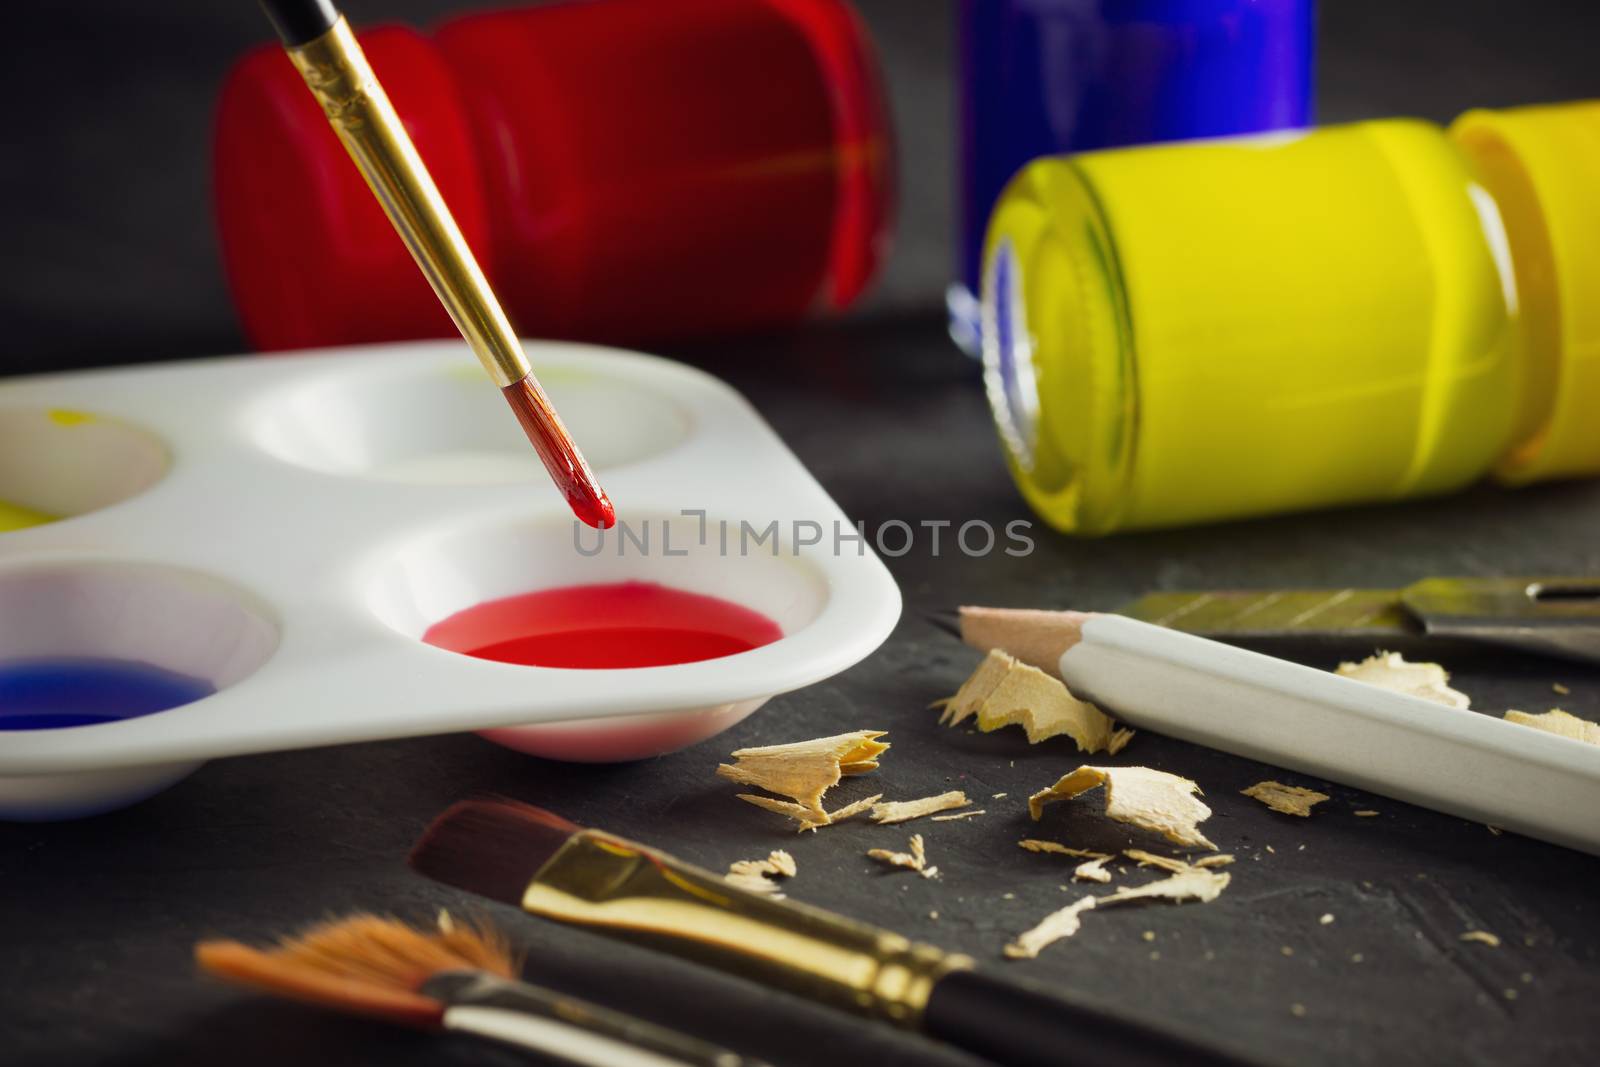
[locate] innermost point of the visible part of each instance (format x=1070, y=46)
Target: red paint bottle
x=625, y=169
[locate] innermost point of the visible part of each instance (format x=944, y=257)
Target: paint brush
x=529, y=857
x=1477, y=766
x=461, y=979
x=324, y=49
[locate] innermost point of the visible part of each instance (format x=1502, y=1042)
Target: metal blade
x=1554, y=616
x=1551, y=616
x=1245, y=615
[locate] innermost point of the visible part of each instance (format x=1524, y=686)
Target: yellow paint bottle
x=1191, y=332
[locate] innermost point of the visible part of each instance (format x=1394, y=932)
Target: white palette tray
x=287, y=527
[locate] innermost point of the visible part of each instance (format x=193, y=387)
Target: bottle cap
x=1066, y=416
x=1542, y=166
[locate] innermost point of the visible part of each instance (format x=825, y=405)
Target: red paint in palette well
x=626, y=624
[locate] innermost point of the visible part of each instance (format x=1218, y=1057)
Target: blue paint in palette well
x=46, y=694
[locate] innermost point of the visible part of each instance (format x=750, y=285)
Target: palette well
x=358, y=544
x=600, y=627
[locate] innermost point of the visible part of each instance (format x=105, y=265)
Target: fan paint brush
x=529, y=857
x=463, y=979
x=324, y=50
x=1479, y=767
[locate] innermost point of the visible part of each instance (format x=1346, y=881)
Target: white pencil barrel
x=1461, y=762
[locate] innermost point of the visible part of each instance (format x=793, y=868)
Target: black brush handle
x=299, y=21
x=1017, y=1025
x=477, y=989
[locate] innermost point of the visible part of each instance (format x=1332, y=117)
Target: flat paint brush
x=529, y=857
x=462, y=979
x=1477, y=766
x=324, y=50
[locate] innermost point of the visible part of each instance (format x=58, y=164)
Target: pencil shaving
x=1194, y=883
x=1288, y=799
x=756, y=876
x=805, y=817
x=778, y=862
x=805, y=770
x=1556, y=721
x=915, y=860
x=754, y=883
x=1006, y=692
x=958, y=815
x=1389, y=670
x=1033, y=844
x=854, y=809
x=1140, y=796
x=891, y=811
x=1150, y=859
x=1174, y=865
x=1092, y=871
x=1059, y=924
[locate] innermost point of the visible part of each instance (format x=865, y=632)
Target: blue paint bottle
x=1043, y=77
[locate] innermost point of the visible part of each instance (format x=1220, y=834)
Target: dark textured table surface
x=97, y=917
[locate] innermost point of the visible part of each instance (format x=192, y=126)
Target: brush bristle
x=559, y=453
x=490, y=847
x=363, y=965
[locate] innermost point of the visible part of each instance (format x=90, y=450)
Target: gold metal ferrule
x=336, y=70
x=640, y=895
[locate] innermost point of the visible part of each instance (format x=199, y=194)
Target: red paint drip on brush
x=560, y=455
x=596, y=627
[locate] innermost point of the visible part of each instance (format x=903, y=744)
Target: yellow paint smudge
x=17, y=517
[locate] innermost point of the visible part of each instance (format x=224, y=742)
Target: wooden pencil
x=1477, y=766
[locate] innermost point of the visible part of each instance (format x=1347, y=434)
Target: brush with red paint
x=323, y=48
x=540, y=862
